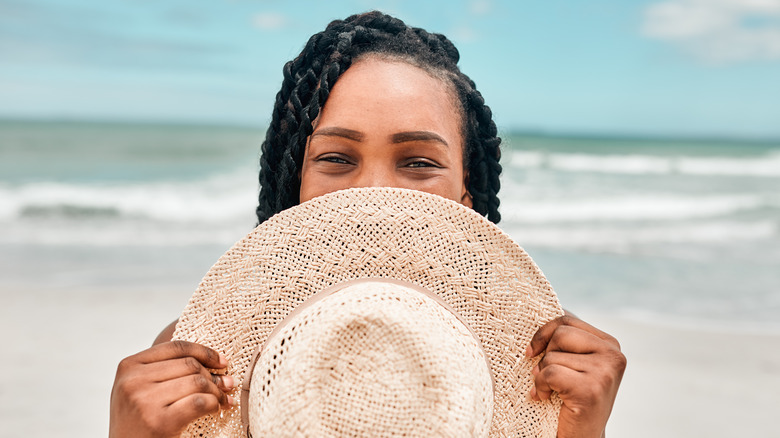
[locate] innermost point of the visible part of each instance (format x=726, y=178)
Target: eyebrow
x=349, y=134
x=403, y=137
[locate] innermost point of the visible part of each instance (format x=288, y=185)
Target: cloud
x=269, y=21
x=46, y=37
x=481, y=7
x=718, y=31
x=463, y=34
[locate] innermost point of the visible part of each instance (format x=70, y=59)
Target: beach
x=69, y=334
x=74, y=318
x=672, y=246
x=683, y=382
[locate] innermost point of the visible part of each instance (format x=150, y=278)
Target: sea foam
x=213, y=199
x=767, y=165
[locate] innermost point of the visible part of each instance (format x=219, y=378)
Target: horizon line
x=503, y=132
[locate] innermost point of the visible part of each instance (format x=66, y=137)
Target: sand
x=683, y=382
x=63, y=341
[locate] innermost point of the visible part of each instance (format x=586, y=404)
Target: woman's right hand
x=158, y=391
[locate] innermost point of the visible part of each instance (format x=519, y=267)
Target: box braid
x=309, y=78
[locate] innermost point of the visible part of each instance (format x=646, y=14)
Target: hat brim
x=424, y=239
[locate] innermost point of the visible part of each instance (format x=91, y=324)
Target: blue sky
x=657, y=67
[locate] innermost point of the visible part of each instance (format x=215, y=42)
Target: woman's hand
x=158, y=391
x=584, y=366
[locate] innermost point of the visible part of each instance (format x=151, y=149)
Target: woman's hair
x=309, y=78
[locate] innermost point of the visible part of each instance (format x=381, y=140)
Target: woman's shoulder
x=166, y=334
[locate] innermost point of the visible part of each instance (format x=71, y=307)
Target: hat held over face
x=375, y=312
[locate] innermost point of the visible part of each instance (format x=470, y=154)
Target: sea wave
x=625, y=239
x=634, y=207
x=131, y=233
x=767, y=165
x=219, y=209
x=213, y=199
x=232, y=195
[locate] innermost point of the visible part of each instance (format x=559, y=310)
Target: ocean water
x=664, y=230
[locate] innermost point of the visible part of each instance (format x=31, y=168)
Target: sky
x=702, y=68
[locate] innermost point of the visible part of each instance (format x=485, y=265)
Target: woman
x=372, y=102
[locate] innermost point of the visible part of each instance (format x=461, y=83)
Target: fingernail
x=532, y=394
x=535, y=370
x=228, y=382
x=231, y=401
x=223, y=362
x=529, y=351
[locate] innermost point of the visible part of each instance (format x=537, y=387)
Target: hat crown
x=371, y=358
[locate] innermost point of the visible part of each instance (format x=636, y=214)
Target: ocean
x=668, y=231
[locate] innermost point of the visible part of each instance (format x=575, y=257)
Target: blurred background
x=641, y=172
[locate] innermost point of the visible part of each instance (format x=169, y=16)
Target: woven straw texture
x=412, y=236
x=374, y=359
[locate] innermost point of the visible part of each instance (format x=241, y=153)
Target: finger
x=181, y=349
x=578, y=362
x=575, y=340
x=171, y=391
x=542, y=336
x=189, y=408
x=554, y=378
x=176, y=368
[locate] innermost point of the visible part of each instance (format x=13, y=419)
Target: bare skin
x=158, y=391
x=385, y=124
x=584, y=366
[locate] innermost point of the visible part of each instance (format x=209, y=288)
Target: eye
x=417, y=163
x=333, y=158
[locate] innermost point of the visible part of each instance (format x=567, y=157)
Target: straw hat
x=453, y=302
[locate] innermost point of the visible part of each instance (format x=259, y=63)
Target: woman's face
x=386, y=124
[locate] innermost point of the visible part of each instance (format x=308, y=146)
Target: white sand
x=60, y=355
x=693, y=383
x=61, y=348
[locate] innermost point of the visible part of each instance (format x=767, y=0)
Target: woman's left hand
x=584, y=366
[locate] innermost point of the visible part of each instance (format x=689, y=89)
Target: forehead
x=398, y=93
